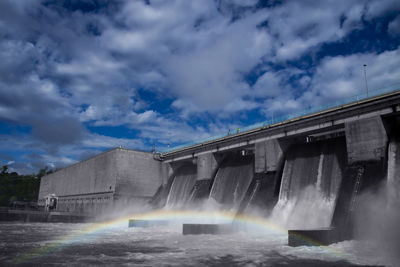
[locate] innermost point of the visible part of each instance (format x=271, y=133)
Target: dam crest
x=305, y=172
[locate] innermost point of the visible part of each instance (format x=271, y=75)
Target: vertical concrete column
x=366, y=140
x=268, y=155
x=165, y=172
x=393, y=174
x=171, y=168
x=206, y=166
x=260, y=161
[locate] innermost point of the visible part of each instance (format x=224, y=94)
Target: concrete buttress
x=366, y=140
x=269, y=154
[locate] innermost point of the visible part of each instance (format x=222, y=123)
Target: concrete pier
x=366, y=140
x=317, y=237
x=269, y=154
x=212, y=229
x=146, y=223
x=207, y=165
x=41, y=216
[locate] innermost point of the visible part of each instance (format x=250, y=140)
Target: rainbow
x=94, y=230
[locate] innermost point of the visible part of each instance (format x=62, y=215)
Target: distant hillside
x=16, y=187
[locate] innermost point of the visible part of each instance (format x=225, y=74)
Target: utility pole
x=365, y=76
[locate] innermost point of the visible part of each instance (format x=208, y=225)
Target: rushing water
x=231, y=182
x=309, y=189
x=182, y=185
x=393, y=174
x=59, y=244
x=310, y=184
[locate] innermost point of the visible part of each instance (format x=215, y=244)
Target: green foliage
x=19, y=187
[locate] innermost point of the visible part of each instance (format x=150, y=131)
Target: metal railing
x=290, y=116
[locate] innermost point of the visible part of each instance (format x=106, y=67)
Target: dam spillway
x=232, y=181
x=182, y=185
x=310, y=184
x=303, y=173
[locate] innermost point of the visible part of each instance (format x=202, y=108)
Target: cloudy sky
x=81, y=77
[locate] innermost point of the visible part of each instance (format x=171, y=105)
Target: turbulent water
x=181, y=187
x=39, y=244
x=393, y=174
x=231, y=183
x=310, y=182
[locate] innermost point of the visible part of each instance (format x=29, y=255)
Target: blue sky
x=81, y=77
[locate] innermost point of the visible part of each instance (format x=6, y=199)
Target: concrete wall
x=206, y=166
x=97, y=183
x=366, y=140
x=269, y=154
x=138, y=174
x=95, y=175
x=393, y=173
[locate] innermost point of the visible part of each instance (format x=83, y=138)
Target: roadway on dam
x=328, y=121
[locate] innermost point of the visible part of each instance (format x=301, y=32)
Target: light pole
x=365, y=76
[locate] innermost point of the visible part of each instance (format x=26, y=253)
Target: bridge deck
x=382, y=102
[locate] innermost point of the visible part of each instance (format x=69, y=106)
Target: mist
x=309, y=210
x=377, y=222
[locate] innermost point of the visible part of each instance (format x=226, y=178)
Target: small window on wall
x=110, y=187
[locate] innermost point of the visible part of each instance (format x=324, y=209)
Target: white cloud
x=110, y=68
x=101, y=141
x=92, y=65
x=377, y=7
x=210, y=77
x=299, y=26
x=266, y=85
x=241, y=105
x=343, y=76
x=335, y=79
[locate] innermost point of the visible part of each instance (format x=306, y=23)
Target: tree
x=14, y=186
x=4, y=169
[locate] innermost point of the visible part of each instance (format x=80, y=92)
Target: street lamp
x=365, y=76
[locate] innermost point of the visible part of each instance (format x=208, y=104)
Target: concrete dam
x=306, y=172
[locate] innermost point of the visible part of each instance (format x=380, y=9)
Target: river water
x=114, y=244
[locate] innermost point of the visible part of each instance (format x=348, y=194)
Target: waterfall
x=393, y=174
x=310, y=183
x=319, y=173
x=261, y=195
x=200, y=190
x=232, y=181
x=254, y=192
x=181, y=187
